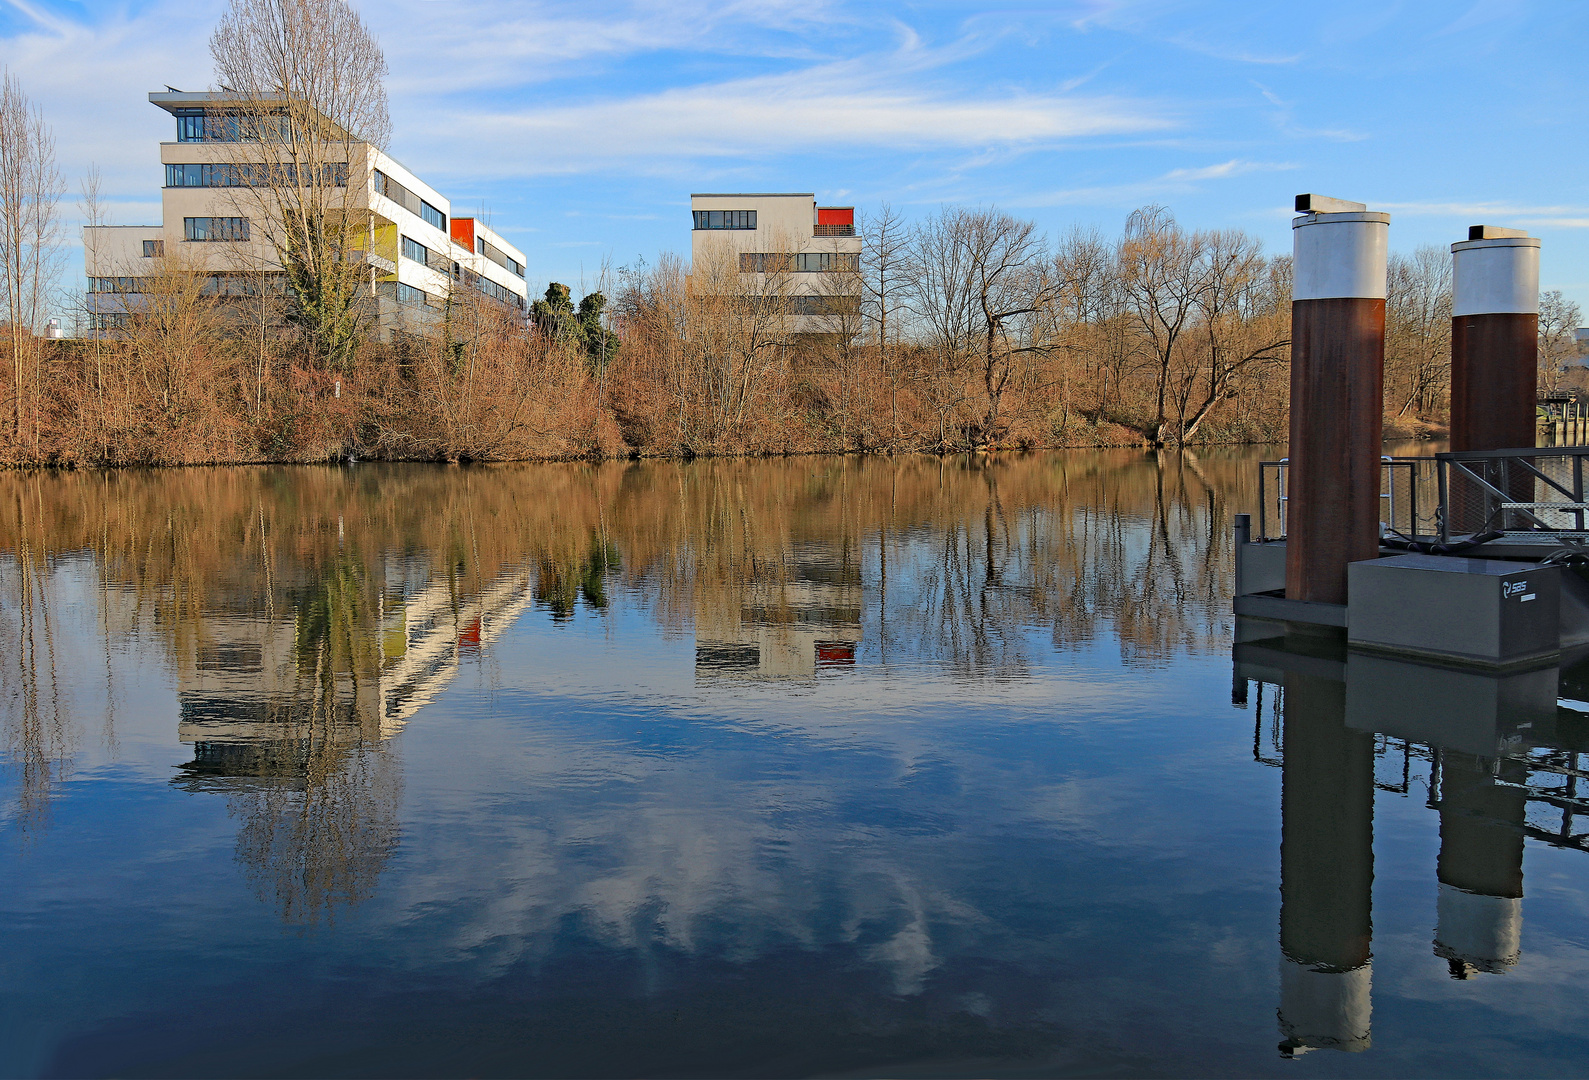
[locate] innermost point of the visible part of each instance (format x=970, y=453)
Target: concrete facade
x=784, y=244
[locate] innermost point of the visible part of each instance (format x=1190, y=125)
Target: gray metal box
x=1481, y=611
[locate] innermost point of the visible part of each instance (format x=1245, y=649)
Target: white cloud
x=1569, y=217
x=780, y=115
x=1176, y=181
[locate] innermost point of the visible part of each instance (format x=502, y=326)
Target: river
x=810, y=766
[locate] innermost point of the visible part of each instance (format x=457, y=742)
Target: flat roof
x=753, y=194
x=171, y=100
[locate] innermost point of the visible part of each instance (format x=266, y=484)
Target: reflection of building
x=803, y=615
x=784, y=245
x=1497, y=753
x=342, y=671
x=416, y=250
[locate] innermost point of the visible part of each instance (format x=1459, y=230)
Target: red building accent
x=835, y=215
x=463, y=231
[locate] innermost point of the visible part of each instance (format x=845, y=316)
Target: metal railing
x=1408, y=497
x=1528, y=495
x=834, y=230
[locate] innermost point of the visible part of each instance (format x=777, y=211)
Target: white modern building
x=417, y=251
x=812, y=251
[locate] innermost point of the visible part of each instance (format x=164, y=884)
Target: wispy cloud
x=1569, y=215
x=1284, y=120
x=785, y=114
x=1176, y=181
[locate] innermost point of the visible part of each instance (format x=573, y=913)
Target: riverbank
x=511, y=396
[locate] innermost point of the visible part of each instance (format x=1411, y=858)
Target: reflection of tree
x=315, y=789
x=318, y=820
x=964, y=563
x=565, y=577
x=39, y=736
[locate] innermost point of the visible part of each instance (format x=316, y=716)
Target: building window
x=493, y=290
x=215, y=228
x=413, y=249
x=806, y=262
x=501, y=258
x=334, y=174
x=108, y=320
x=154, y=249
x=385, y=185
x=758, y=262
x=480, y=245
x=116, y=284
x=826, y=262
x=407, y=294
x=197, y=125
x=725, y=219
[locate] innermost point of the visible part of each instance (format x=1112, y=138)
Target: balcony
x=833, y=230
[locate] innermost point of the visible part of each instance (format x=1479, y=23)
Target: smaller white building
x=813, y=251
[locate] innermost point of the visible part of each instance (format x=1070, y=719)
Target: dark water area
x=897, y=767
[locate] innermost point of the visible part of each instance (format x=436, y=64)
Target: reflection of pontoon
x=258, y=686
x=785, y=626
x=1498, y=753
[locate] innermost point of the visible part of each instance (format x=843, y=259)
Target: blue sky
x=582, y=128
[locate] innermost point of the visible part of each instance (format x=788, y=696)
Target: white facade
x=417, y=251
x=813, y=251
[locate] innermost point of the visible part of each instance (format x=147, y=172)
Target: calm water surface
x=823, y=766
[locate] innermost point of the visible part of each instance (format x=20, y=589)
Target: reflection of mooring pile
x=1412, y=617
x=1497, y=755
x=258, y=694
x=790, y=619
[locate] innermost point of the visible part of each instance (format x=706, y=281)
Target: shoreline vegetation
x=1158, y=338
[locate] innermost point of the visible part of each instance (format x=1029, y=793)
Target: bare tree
x=307, y=80
x=1012, y=285
x=1558, y=317
x=92, y=211
x=1418, y=328
x=30, y=194
x=1162, y=274
x=1244, y=321
x=885, y=250
x=942, y=298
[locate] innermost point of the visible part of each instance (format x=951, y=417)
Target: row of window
x=385, y=185
x=493, y=290
x=333, y=174
x=498, y=256
x=215, y=228
x=805, y=262
x=116, y=284
x=213, y=285
x=199, y=125
x=414, y=250
x=725, y=219
x=405, y=294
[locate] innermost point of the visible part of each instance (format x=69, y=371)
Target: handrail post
x=1243, y=534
